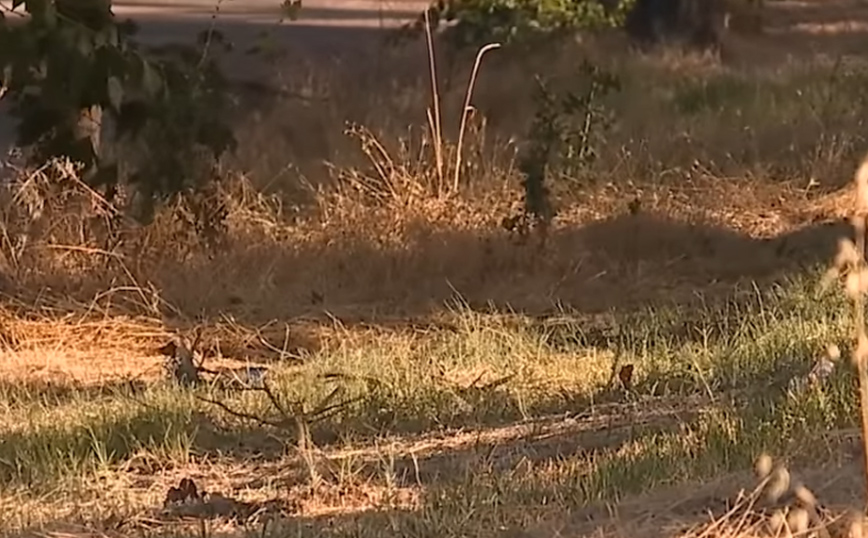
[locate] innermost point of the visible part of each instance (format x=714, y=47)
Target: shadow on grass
x=169, y=426
x=573, y=461
x=615, y=265
x=483, y=507
x=52, y=394
x=520, y=484
x=564, y=466
x=69, y=440
x=361, y=277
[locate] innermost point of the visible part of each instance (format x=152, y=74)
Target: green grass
x=736, y=358
x=726, y=365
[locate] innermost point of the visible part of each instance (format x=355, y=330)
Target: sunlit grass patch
x=41, y=444
x=738, y=358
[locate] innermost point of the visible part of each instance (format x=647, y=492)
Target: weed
x=850, y=264
x=565, y=135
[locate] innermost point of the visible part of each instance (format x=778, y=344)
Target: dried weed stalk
x=794, y=508
x=851, y=267
x=779, y=505
x=294, y=418
x=465, y=112
x=435, y=120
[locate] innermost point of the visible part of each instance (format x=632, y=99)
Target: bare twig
x=241, y=414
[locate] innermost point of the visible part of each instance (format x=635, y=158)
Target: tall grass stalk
x=434, y=117
x=465, y=112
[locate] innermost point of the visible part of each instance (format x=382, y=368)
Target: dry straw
x=434, y=118
x=850, y=263
x=860, y=356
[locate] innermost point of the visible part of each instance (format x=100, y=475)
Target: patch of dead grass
x=404, y=258
x=379, y=244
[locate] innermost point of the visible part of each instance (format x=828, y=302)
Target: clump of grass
x=388, y=216
x=489, y=371
x=828, y=408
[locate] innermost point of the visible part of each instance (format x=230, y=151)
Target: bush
x=476, y=22
x=696, y=23
x=70, y=68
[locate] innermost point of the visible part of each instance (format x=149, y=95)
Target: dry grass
x=477, y=376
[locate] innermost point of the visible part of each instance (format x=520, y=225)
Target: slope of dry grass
x=617, y=380
x=518, y=423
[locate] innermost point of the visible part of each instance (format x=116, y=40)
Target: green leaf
x=84, y=45
x=217, y=137
x=125, y=28
x=50, y=15
x=115, y=93
x=72, y=57
x=42, y=12
x=35, y=123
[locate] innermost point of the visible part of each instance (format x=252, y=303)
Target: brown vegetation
x=478, y=365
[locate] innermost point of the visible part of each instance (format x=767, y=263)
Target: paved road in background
x=328, y=13
x=323, y=29
x=322, y=26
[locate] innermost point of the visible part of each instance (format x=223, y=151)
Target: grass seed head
x=856, y=529
x=777, y=522
x=805, y=496
x=763, y=466
x=862, y=189
x=860, y=355
x=779, y=483
x=848, y=254
x=798, y=520
x=856, y=283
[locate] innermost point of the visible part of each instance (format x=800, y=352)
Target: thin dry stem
x=436, y=127
x=466, y=111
